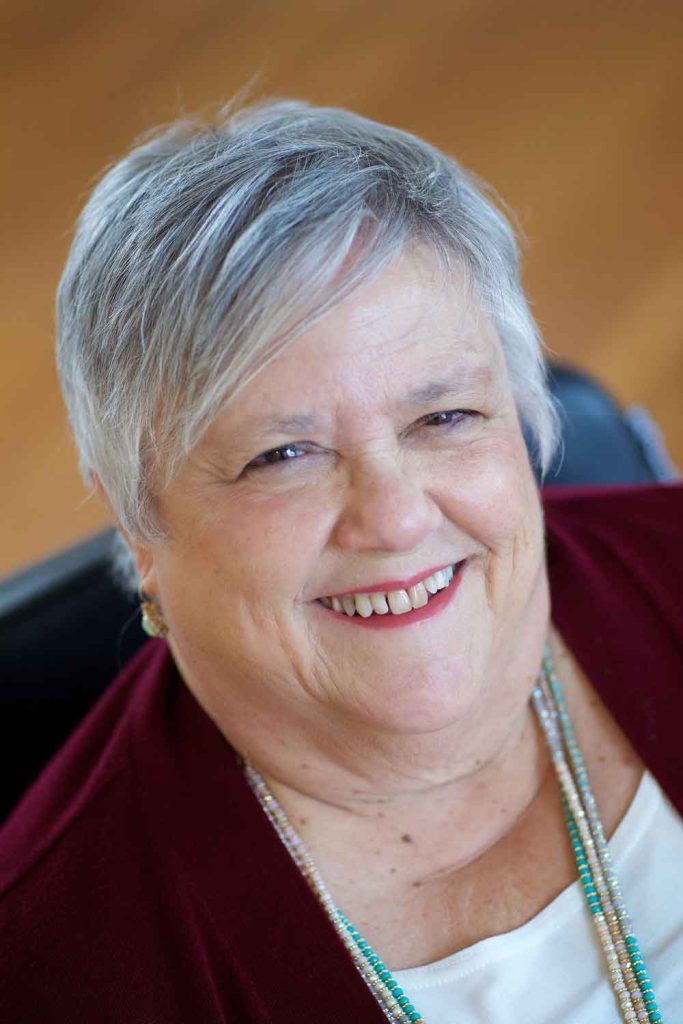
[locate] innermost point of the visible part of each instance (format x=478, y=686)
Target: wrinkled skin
x=408, y=759
x=377, y=491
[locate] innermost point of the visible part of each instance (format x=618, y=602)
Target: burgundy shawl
x=140, y=882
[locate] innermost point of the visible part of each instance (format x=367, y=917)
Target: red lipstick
x=434, y=606
x=386, y=585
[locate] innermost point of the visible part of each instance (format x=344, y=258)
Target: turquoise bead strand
x=390, y=997
x=620, y=923
x=383, y=973
x=628, y=974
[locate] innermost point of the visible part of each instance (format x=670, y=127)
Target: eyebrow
x=464, y=381
x=294, y=424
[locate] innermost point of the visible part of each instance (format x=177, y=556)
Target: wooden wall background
x=572, y=110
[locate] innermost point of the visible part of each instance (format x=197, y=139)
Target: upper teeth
x=396, y=601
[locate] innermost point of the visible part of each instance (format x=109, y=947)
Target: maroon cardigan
x=140, y=882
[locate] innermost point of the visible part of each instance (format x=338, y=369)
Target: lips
x=388, y=585
x=411, y=601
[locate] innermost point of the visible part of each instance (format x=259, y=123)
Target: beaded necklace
x=628, y=976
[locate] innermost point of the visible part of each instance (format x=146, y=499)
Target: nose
x=387, y=508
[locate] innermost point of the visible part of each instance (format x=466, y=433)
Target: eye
x=287, y=453
x=447, y=418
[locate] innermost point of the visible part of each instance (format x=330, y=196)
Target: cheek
x=493, y=495
x=230, y=579
x=281, y=538
x=252, y=552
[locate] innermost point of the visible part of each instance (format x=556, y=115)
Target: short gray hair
x=209, y=248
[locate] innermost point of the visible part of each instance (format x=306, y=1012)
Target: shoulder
x=623, y=546
x=643, y=508
x=113, y=864
x=633, y=530
x=615, y=563
x=80, y=785
x=76, y=866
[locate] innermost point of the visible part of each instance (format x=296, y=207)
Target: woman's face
x=381, y=446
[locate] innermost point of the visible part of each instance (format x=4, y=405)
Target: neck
x=473, y=807
x=468, y=785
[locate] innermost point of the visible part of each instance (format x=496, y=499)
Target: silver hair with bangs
x=204, y=252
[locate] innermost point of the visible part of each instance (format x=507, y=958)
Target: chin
x=436, y=703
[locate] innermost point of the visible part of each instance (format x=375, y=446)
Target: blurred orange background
x=572, y=111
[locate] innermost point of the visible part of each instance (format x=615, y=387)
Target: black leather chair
x=66, y=627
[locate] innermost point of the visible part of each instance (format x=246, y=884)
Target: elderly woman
x=407, y=745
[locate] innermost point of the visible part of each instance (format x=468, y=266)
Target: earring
x=152, y=619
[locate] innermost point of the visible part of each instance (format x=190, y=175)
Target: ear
x=141, y=550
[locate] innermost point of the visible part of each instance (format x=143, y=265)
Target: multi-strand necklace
x=628, y=976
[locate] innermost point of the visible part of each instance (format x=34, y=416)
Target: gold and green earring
x=152, y=619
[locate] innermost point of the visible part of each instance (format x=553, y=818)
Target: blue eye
x=448, y=418
x=287, y=453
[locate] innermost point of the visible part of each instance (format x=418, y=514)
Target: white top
x=552, y=969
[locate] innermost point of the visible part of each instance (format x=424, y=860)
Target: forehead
x=408, y=336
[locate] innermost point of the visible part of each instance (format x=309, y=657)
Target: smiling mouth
x=394, y=602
